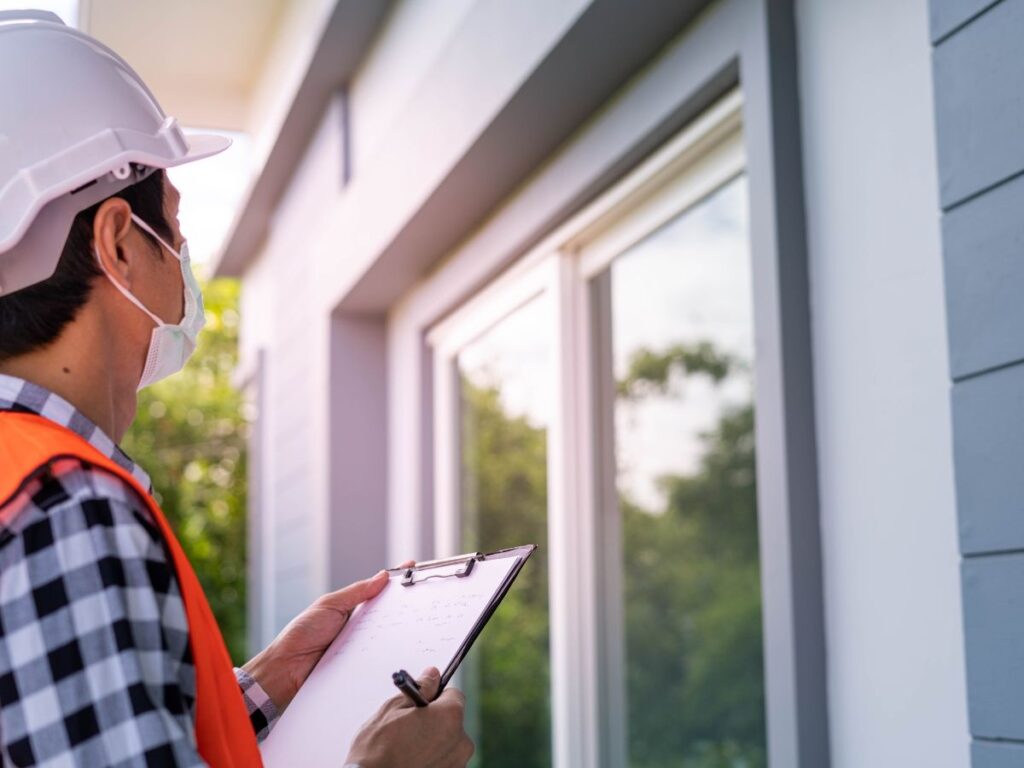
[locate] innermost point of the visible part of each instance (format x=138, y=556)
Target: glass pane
x=684, y=418
x=504, y=417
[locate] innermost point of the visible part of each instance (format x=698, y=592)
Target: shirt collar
x=21, y=395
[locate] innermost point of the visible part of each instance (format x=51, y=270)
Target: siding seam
x=994, y=740
x=965, y=23
x=983, y=191
x=986, y=371
x=992, y=554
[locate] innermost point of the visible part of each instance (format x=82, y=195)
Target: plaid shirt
x=95, y=662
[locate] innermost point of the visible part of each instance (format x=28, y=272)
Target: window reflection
x=683, y=362
x=504, y=418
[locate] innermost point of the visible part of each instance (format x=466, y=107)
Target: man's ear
x=111, y=231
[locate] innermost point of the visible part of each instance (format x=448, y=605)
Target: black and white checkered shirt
x=95, y=663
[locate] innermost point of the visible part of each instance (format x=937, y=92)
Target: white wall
x=427, y=89
x=896, y=680
x=279, y=317
x=892, y=590
x=491, y=47
x=297, y=29
x=412, y=38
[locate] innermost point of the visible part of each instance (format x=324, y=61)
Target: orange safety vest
x=224, y=733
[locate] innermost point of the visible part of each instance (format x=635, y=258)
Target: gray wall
x=979, y=107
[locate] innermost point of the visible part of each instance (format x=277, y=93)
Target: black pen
x=408, y=685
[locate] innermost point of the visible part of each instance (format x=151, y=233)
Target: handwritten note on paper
x=407, y=628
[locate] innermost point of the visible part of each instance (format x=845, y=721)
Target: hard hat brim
x=202, y=145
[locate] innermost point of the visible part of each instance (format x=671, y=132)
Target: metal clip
x=465, y=561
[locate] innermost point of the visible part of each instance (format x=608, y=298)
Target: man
x=109, y=653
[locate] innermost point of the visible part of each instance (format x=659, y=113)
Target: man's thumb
x=429, y=682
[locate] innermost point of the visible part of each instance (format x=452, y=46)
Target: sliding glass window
x=597, y=399
x=503, y=418
x=682, y=358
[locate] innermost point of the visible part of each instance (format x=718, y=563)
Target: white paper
x=408, y=628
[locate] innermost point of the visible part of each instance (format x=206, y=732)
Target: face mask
x=171, y=345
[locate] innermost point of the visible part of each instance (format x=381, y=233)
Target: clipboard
x=463, y=568
x=436, y=609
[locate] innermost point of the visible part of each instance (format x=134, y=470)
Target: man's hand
x=283, y=666
x=402, y=735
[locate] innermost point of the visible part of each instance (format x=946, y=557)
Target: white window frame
x=587, y=657
x=524, y=283
x=250, y=379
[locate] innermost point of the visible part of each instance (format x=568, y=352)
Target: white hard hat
x=77, y=125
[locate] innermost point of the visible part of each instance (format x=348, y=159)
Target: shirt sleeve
x=262, y=711
x=95, y=667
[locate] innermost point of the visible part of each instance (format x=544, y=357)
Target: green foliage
x=654, y=373
x=693, y=614
x=692, y=589
x=190, y=436
x=505, y=504
x=691, y=581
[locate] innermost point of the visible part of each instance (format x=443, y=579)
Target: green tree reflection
x=691, y=581
x=504, y=502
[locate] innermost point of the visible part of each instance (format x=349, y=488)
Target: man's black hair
x=34, y=317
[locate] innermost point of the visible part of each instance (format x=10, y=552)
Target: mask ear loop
x=163, y=242
x=128, y=294
x=183, y=260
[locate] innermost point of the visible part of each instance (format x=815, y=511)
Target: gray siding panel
x=978, y=69
x=979, y=103
x=988, y=446
x=947, y=15
x=994, y=642
x=988, y=754
x=984, y=259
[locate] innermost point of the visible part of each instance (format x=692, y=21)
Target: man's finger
x=429, y=681
x=464, y=751
x=407, y=564
x=398, y=701
x=454, y=696
x=347, y=598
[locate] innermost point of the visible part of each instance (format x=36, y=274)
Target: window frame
x=524, y=283
x=584, y=531
x=700, y=160
x=731, y=43
x=250, y=379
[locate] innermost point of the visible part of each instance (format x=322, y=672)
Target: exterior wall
x=280, y=318
x=296, y=31
x=428, y=135
x=979, y=112
x=895, y=649
x=395, y=67
x=892, y=598
x=340, y=229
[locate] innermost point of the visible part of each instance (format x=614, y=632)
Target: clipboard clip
x=465, y=565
